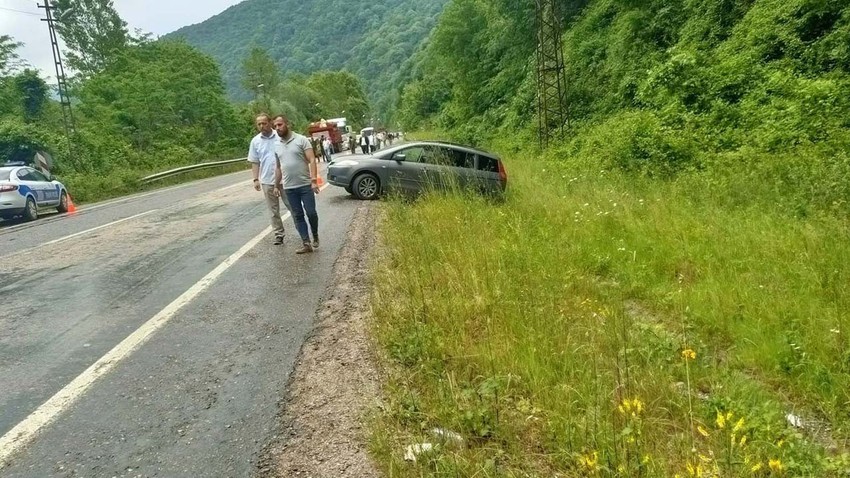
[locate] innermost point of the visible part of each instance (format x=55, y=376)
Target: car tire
x=366, y=186
x=31, y=210
x=348, y=189
x=63, y=203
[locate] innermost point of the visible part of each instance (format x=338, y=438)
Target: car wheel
x=63, y=203
x=348, y=189
x=31, y=211
x=366, y=186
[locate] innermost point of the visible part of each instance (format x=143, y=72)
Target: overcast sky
x=20, y=19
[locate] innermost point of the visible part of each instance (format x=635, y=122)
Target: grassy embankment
x=599, y=323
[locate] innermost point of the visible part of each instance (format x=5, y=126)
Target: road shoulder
x=335, y=382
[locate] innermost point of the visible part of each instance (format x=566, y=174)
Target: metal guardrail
x=186, y=169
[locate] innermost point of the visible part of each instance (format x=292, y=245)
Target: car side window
x=24, y=175
x=451, y=157
x=411, y=155
x=486, y=163
x=38, y=176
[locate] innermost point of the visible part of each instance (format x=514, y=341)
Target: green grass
x=525, y=327
x=93, y=187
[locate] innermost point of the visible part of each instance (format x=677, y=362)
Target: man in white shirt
x=328, y=147
x=261, y=155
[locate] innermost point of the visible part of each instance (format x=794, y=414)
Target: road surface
x=154, y=335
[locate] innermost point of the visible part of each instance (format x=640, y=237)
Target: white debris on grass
x=794, y=420
x=417, y=449
x=448, y=436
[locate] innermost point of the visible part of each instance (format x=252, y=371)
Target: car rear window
x=486, y=163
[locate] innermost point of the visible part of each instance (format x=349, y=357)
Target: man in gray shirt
x=296, y=166
x=261, y=155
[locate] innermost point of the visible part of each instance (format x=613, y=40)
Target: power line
x=20, y=11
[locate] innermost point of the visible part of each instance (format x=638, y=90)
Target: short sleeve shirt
x=292, y=154
x=262, y=151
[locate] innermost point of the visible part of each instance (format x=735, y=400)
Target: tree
x=260, y=74
x=157, y=96
x=9, y=59
x=93, y=31
x=32, y=91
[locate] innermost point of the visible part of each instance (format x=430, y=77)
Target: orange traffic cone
x=71, y=207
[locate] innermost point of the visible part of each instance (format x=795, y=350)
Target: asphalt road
x=199, y=396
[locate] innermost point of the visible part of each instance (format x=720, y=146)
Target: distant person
x=297, y=172
x=352, y=144
x=328, y=147
x=261, y=155
x=364, y=144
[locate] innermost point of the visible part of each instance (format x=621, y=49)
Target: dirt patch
x=335, y=382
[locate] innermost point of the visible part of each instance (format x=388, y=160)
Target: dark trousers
x=303, y=200
x=365, y=149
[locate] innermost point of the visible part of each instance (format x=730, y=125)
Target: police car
x=26, y=192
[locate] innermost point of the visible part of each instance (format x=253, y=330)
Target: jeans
x=303, y=199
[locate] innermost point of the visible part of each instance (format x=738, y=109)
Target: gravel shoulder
x=335, y=383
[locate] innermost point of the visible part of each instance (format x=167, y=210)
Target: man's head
x=281, y=125
x=264, y=123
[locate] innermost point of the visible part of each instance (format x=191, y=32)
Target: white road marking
x=102, y=226
x=25, y=431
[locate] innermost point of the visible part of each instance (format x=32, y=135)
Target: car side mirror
x=399, y=157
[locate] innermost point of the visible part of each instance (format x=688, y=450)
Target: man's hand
x=257, y=185
x=315, y=186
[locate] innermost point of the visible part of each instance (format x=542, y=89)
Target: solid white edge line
x=26, y=430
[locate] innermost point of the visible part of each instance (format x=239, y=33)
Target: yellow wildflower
x=632, y=407
x=756, y=468
x=689, y=354
x=720, y=420
x=589, y=461
x=738, y=425
x=702, y=431
x=743, y=440
x=775, y=465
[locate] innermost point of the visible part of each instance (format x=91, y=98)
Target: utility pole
x=61, y=80
x=552, y=113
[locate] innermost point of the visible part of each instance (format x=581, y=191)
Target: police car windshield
x=5, y=173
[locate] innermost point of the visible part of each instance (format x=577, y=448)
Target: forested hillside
x=372, y=40
x=659, y=86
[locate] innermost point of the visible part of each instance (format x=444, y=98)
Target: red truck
x=329, y=130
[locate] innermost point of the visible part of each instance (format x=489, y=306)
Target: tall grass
x=599, y=324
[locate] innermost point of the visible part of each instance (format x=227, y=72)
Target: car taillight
x=503, y=175
x=8, y=187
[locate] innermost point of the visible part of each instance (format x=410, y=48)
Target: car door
x=405, y=170
x=448, y=167
x=49, y=191
x=28, y=184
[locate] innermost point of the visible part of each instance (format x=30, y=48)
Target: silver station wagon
x=415, y=167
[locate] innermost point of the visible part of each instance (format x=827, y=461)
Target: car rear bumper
x=12, y=202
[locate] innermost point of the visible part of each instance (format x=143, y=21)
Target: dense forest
x=755, y=89
x=373, y=40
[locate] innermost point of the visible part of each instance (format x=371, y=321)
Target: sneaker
x=278, y=240
x=305, y=248
x=315, y=243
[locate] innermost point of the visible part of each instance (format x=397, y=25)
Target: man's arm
x=255, y=166
x=314, y=169
x=278, y=172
